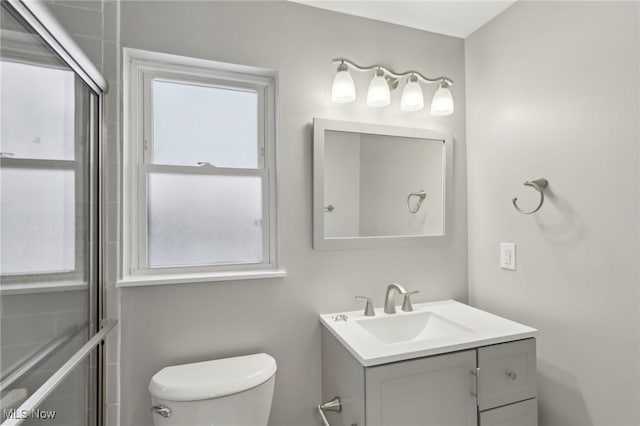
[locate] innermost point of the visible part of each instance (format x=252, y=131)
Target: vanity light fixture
x=343, y=90
x=442, y=103
x=384, y=81
x=379, y=94
x=412, y=98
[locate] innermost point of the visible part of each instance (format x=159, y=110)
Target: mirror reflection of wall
x=368, y=178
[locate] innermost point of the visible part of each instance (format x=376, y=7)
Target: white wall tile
x=110, y=21
x=112, y=224
x=112, y=262
x=110, y=69
x=111, y=113
x=112, y=396
x=78, y=21
x=92, y=47
x=95, y=5
x=113, y=415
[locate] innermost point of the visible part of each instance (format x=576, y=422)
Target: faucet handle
x=406, y=303
x=368, y=310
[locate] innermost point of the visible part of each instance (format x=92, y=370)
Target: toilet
x=223, y=392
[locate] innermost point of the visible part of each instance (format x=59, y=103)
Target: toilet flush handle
x=162, y=410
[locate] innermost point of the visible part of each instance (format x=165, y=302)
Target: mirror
x=378, y=186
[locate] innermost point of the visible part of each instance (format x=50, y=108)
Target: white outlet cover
x=508, y=256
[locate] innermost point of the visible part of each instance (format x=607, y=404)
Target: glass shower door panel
x=47, y=228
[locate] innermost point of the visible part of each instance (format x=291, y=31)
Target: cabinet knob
x=511, y=374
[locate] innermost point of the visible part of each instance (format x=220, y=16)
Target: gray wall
x=182, y=323
x=552, y=91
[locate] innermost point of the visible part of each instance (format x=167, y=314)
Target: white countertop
x=477, y=328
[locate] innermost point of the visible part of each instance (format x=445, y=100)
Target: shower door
x=50, y=337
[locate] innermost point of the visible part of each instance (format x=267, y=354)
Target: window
x=200, y=178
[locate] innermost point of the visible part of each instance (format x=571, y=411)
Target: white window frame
x=140, y=69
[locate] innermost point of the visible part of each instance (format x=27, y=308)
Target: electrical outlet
x=508, y=256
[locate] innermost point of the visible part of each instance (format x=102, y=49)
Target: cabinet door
x=523, y=413
x=433, y=391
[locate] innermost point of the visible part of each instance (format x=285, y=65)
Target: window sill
x=148, y=280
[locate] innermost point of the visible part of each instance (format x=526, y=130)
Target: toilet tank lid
x=212, y=379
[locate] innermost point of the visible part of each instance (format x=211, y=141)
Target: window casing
x=188, y=218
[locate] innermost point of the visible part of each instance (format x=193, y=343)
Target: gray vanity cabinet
x=491, y=385
x=435, y=390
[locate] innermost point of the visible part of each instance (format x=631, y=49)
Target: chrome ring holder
x=421, y=196
x=539, y=185
x=333, y=405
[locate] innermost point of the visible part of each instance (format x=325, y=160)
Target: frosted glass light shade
x=442, y=103
x=343, y=90
x=378, y=94
x=412, y=99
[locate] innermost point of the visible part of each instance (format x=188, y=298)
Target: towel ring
x=539, y=185
x=421, y=196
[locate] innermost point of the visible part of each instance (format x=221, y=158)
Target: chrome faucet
x=368, y=310
x=389, y=299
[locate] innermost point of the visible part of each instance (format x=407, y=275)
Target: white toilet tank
x=224, y=392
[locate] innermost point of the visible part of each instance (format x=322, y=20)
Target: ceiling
x=449, y=17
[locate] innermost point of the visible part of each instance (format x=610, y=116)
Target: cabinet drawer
x=523, y=413
x=507, y=373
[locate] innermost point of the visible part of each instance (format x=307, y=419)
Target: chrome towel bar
x=42, y=353
x=58, y=377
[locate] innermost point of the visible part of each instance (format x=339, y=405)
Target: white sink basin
x=392, y=329
x=431, y=329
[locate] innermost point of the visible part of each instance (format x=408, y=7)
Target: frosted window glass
x=38, y=220
x=204, y=219
x=37, y=118
x=194, y=124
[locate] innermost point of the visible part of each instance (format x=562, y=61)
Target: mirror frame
x=320, y=125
